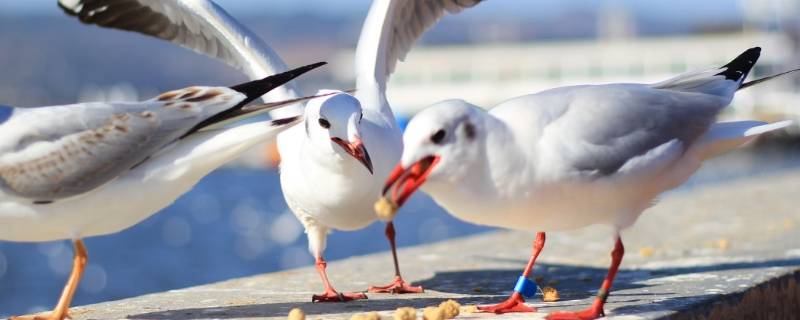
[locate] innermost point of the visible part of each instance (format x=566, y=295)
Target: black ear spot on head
x=469, y=130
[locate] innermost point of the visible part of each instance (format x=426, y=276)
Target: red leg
x=516, y=303
x=398, y=285
x=330, y=294
x=596, y=310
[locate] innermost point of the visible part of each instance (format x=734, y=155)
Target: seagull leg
x=516, y=303
x=330, y=294
x=398, y=285
x=61, y=311
x=596, y=310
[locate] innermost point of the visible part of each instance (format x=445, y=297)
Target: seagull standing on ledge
x=90, y=169
x=571, y=157
x=337, y=159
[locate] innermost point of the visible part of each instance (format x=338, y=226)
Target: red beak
x=357, y=150
x=403, y=182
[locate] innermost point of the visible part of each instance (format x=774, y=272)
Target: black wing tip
x=284, y=121
x=257, y=88
x=739, y=67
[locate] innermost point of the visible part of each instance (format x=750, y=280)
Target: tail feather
x=253, y=90
x=725, y=136
x=710, y=82
x=739, y=67
x=253, y=110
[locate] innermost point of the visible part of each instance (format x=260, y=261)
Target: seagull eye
x=438, y=137
x=324, y=123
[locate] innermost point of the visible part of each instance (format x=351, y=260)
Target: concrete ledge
x=725, y=251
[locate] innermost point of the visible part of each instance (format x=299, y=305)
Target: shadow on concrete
x=282, y=309
x=576, y=285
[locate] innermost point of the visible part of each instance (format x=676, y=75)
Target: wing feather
x=390, y=30
x=199, y=25
x=604, y=127
x=56, y=152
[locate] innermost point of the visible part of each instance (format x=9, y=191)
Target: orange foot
x=333, y=296
x=514, y=303
x=398, y=286
x=588, y=314
x=47, y=316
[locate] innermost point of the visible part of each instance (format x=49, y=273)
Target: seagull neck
x=505, y=159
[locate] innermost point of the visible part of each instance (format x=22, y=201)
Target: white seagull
x=90, y=169
x=570, y=157
x=329, y=178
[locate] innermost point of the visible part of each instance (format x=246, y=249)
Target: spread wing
x=199, y=25
x=390, y=30
x=56, y=152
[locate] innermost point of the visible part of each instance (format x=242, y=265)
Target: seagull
x=338, y=158
x=570, y=157
x=91, y=169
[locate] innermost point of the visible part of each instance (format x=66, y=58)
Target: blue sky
x=687, y=9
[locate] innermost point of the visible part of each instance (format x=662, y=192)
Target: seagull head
x=440, y=143
x=333, y=123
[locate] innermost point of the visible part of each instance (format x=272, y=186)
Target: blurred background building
x=236, y=223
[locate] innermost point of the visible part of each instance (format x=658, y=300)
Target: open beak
x=357, y=150
x=403, y=182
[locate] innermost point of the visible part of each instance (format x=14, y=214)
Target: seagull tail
x=738, y=68
x=725, y=136
x=253, y=90
x=256, y=109
x=723, y=81
x=257, y=88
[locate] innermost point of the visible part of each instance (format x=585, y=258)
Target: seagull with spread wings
x=336, y=160
x=91, y=169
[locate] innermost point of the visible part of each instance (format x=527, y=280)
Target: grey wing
x=59, y=152
x=605, y=127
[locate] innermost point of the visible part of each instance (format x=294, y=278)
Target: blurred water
x=235, y=223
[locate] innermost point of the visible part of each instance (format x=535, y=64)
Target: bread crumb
x=385, y=209
x=550, y=294
x=405, y=313
x=297, y=314
x=366, y=316
x=450, y=308
x=470, y=309
x=723, y=244
x=646, y=252
x=432, y=313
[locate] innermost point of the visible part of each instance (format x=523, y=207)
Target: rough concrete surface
x=716, y=251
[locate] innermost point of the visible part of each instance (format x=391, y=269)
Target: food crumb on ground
x=550, y=294
x=470, y=309
x=405, y=313
x=297, y=314
x=450, y=308
x=646, y=252
x=432, y=313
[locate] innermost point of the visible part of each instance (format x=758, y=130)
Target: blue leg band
x=526, y=287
